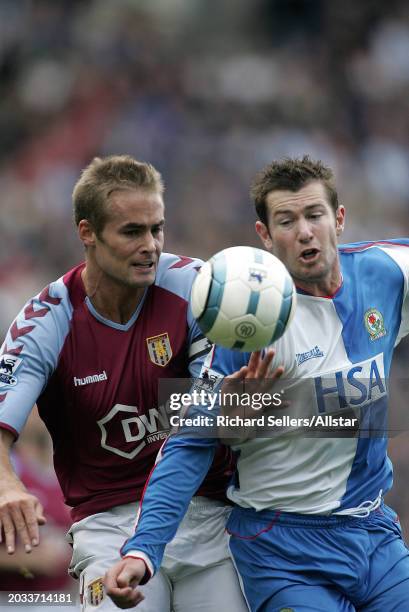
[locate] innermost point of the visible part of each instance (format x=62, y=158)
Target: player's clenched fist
x=20, y=514
x=121, y=582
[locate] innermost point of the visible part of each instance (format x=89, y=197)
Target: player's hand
x=262, y=379
x=121, y=581
x=20, y=514
x=258, y=368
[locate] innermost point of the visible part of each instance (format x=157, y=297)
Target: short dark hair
x=102, y=177
x=291, y=174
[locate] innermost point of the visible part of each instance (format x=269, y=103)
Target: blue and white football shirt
x=342, y=347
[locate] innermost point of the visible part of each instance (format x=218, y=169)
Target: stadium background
x=208, y=91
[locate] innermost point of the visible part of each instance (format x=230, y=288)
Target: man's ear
x=264, y=234
x=340, y=219
x=86, y=233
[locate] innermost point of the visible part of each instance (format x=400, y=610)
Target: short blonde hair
x=102, y=177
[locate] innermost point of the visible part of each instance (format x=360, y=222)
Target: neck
x=323, y=287
x=111, y=299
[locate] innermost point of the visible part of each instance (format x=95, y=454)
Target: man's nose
x=304, y=231
x=148, y=242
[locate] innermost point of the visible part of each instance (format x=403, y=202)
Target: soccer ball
x=243, y=298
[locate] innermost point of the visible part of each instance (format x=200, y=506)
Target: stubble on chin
x=142, y=283
x=310, y=275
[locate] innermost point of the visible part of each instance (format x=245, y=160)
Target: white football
x=243, y=298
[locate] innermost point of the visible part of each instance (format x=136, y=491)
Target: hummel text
x=78, y=382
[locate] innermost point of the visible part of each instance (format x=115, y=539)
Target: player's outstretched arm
x=20, y=512
x=121, y=582
x=179, y=472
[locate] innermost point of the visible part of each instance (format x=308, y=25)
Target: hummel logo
x=90, y=379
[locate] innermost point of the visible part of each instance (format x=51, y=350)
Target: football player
x=90, y=349
x=310, y=530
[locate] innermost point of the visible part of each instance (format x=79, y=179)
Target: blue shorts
x=299, y=563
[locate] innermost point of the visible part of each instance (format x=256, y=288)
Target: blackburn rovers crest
x=160, y=351
x=95, y=592
x=374, y=324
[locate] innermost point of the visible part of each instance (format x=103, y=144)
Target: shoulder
x=60, y=297
x=53, y=302
x=378, y=255
x=176, y=273
x=43, y=321
x=373, y=248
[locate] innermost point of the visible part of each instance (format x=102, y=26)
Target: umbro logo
x=79, y=382
x=312, y=354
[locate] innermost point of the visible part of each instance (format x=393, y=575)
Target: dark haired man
x=310, y=530
x=90, y=349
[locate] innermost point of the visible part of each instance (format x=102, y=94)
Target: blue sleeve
x=30, y=352
x=227, y=361
x=182, y=465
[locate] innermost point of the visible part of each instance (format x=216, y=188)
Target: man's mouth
x=145, y=265
x=309, y=255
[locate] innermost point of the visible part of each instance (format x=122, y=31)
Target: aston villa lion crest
x=374, y=324
x=95, y=592
x=160, y=351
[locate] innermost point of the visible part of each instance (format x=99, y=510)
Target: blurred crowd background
x=209, y=91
